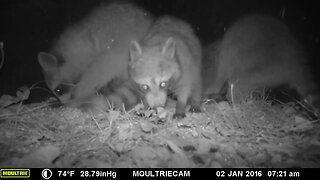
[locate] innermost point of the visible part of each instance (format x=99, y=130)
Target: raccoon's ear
x=169, y=48
x=135, y=50
x=47, y=61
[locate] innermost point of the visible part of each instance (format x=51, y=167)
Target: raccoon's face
x=59, y=85
x=153, y=69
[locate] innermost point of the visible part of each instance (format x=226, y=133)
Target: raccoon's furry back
x=256, y=52
x=168, y=26
x=96, y=33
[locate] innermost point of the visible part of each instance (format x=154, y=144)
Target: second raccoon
x=92, y=52
x=168, y=59
x=257, y=52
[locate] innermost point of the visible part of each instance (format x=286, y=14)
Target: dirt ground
x=251, y=134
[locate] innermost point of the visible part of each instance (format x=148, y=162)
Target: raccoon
x=168, y=59
x=257, y=52
x=92, y=52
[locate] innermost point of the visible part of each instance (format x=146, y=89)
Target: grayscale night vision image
x=159, y=84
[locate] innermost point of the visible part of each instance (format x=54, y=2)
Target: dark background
x=30, y=26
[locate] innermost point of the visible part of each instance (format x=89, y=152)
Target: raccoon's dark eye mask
x=63, y=89
x=145, y=88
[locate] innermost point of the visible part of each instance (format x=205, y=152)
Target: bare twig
x=2, y=54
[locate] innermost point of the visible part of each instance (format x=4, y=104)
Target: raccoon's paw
x=195, y=109
x=179, y=116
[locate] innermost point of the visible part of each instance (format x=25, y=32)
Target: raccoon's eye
x=58, y=91
x=163, y=84
x=144, y=87
x=62, y=89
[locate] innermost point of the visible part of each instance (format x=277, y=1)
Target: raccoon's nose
x=154, y=106
x=155, y=103
x=156, y=99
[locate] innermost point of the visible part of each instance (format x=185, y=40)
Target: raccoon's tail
x=120, y=95
x=117, y=95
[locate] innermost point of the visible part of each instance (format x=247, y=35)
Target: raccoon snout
x=156, y=99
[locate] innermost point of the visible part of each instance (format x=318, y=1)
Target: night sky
x=30, y=26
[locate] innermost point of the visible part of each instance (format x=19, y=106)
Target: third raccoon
x=257, y=52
